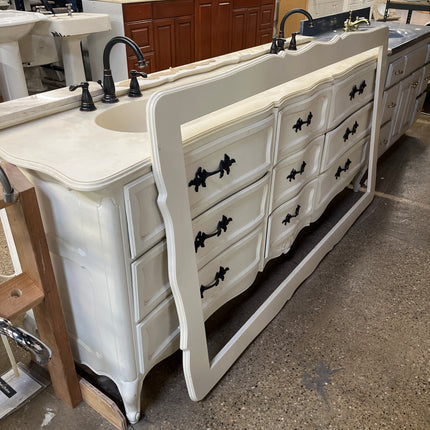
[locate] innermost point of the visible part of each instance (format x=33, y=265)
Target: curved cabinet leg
x=130, y=392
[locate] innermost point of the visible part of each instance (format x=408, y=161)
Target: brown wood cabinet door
x=238, y=29
x=164, y=43
x=184, y=40
x=252, y=26
x=141, y=33
x=213, y=28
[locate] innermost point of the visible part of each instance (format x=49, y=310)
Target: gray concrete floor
x=350, y=350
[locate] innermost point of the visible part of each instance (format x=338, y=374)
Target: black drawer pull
x=219, y=276
x=199, y=241
x=289, y=216
x=298, y=125
x=202, y=174
x=340, y=169
x=295, y=172
x=358, y=90
x=350, y=131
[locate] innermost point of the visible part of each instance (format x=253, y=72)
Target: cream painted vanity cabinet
x=257, y=171
x=408, y=75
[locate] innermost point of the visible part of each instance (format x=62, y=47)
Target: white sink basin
x=13, y=26
x=77, y=24
x=129, y=117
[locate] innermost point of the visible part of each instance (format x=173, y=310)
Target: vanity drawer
x=228, y=221
x=396, y=71
x=302, y=120
x=144, y=220
x=292, y=173
x=384, y=138
x=351, y=91
x=158, y=335
x=150, y=280
x=416, y=59
x=286, y=221
x=339, y=175
x=426, y=79
x=235, y=269
x=389, y=103
x=346, y=135
x=219, y=168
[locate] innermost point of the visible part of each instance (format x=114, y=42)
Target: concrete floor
x=350, y=350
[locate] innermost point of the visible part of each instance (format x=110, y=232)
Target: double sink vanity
x=265, y=144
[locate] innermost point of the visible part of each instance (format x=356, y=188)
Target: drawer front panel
x=144, y=220
x=229, y=220
x=352, y=92
x=302, y=121
x=286, y=221
x=158, y=335
x=235, y=269
x=291, y=174
x=389, y=103
x=416, y=59
x=384, y=138
x=346, y=135
x=426, y=79
x=219, y=168
x=396, y=71
x=337, y=177
x=150, y=280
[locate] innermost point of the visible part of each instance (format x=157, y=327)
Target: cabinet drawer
x=337, y=177
x=416, y=59
x=389, y=103
x=228, y=221
x=220, y=167
x=235, y=270
x=419, y=103
x=302, y=120
x=158, y=335
x=346, y=135
x=396, y=71
x=425, y=80
x=285, y=222
x=291, y=174
x=150, y=280
x=136, y=11
x=144, y=220
x=172, y=8
x=352, y=92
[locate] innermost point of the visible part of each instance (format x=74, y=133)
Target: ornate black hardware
x=202, y=174
x=219, y=276
x=340, y=170
x=352, y=131
x=358, y=90
x=295, y=172
x=289, y=216
x=298, y=125
x=199, y=241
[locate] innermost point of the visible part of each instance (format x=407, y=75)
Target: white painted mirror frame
x=166, y=111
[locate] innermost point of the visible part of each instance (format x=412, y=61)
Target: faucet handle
x=293, y=44
x=87, y=104
x=134, y=85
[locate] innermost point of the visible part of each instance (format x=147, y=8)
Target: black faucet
x=278, y=43
x=108, y=84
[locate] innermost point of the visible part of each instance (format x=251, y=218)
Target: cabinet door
x=213, y=28
x=164, y=43
x=184, y=40
x=245, y=26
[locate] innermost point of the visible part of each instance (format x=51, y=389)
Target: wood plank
x=30, y=241
x=18, y=295
x=102, y=404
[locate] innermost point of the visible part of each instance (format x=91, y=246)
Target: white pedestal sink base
x=12, y=79
x=72, y=59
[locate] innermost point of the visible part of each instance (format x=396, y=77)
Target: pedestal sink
x=71, y=29
x=13, y=26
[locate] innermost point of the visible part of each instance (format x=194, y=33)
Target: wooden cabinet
x=176, y=32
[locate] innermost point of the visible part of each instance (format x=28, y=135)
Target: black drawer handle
x=289, y=216
x=350, y=131
x=344, y=169
x=219, y=276
x=298, y=125
x=358, y=90
x=202, y=174
x=295, y=172
x=199, y=241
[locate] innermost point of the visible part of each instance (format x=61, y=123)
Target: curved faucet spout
x=292, y=12
x=108, y=83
